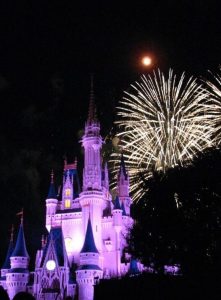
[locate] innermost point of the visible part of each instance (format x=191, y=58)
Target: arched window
x=55, y=284
x=44, y=283
x=68, y=192
x=67, y=203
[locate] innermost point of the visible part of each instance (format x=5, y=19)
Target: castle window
x=67, y=203
x=68, y=192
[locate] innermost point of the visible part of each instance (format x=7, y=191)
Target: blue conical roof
x=92, y=108
x=7, y=264
x=20, y=247
x=117, y=203
x=123, y=209
x=55, y=237
x=133, y=270
x=89, y=244
x=51, y=192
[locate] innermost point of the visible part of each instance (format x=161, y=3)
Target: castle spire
x=12, y=234
x=92, y=108
x=92, y=143
x=123, y=186
x=20, y=247
x=117, y=203
x=89, y=244
x=123, y=170
x=51, y=191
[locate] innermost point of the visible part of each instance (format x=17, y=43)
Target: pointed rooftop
x=117, y=203
x=55, y=238
x=6, y=264
x=20, y=247
x=89, y=244
x=122, y=166
x=92, y=108
x=51, y=192
x=123, y=209
x=133, y=269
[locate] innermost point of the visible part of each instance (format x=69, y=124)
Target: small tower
x=18, y=276
x=92, y=197
x=51, y=204
x=89, y=271
x=92, y=143
x=6, y=265
x=105, y=178
x=123, y=186
x=117, y=223
x=68, y=189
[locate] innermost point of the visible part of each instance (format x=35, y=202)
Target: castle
x=86, y=231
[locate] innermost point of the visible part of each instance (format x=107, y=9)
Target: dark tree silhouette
x=178, y=220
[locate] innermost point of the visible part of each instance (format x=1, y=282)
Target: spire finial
x=42, y=241
x=21, y=213
x=92, y=109
x=12, y=233
x=52, y=176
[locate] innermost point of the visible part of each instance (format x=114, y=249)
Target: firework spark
x=163, y=122
x=214, y=87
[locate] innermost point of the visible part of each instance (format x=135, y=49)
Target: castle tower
x=117, y=223
x=18, y=276
x=123, y=186
x=51, y=204
x=68, y=191
x=105, y=178
x=92, y=198
x=89, y=271
x=92, y=143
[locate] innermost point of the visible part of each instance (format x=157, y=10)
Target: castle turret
x=105, y=178
x=89, y=271
x=123, y=186
x=117, y=213
x=68, y=191
x=18, y=276
x=51, y=203
x=92, y=143
x=92, y=198
x=117, y=223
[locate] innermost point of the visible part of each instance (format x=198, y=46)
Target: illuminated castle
x=86, y=231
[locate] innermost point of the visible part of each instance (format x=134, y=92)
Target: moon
x=146, y=61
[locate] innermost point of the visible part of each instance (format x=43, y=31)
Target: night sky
x=48, y=49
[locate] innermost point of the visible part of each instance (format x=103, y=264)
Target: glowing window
x=68, y=192
x=68, y=244
x=67, y=203
x=50, y=265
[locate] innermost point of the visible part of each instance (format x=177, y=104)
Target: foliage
x=178, y=220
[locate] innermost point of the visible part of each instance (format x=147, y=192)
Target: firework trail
x=214, y=88
x=163, y=121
